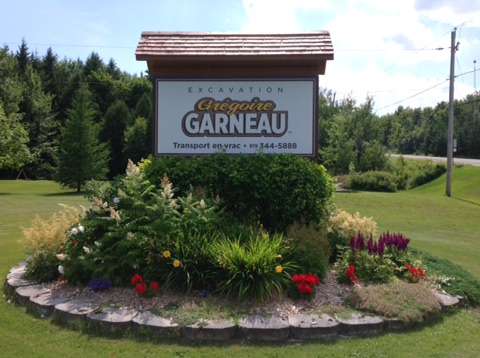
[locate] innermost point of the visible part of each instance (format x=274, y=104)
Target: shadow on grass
x=63, y=193
x=467, y=201
x=5, y=194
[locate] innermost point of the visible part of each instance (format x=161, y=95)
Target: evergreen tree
x=113, y=70
x=143, y=107
x=23, y=57
x=114, y=125
x=94, y=63
x=49, y=66
x=81, y=156
x=11, y=88
x=136, y=140
x=14, y=153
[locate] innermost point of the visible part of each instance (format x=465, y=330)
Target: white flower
x=61, y=270
x=87, y=250
x=116, y=200
x=74, y=231
x=81, y=229
x=105, y=205
x=97, y=244
x=202, y=204
x=61, y=257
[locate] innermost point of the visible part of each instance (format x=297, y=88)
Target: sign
x=236, y=116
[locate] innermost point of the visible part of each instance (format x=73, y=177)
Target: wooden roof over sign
x=162, y=49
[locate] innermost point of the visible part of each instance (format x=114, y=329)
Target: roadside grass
x=453, y=237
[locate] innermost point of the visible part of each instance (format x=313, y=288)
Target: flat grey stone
x=147, y=323
x=111, y=320
x=260, y=328
x=361, y=325
x=19, y=282
x=210, y=330
x=306, y=326
x=44, y=304
x=17, y=272
x=23, y=293
x=446, y=300
x=73, y=313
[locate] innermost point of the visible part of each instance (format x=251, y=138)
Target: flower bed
x=155, y=254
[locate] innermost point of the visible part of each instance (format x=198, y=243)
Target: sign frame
x=315, y=119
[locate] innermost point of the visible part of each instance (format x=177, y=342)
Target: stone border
x=117, y=321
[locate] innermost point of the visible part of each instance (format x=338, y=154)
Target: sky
x=383, y=48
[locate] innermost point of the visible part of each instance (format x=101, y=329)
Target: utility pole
x=475, y=100
x=453, y=48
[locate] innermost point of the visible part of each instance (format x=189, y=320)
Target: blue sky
x=373, y=39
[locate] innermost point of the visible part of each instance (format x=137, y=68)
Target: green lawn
x=446, y=227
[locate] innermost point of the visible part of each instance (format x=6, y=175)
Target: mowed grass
x=456, y=336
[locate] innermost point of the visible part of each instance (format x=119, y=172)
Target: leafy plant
x=253, y=269
x=309, y=248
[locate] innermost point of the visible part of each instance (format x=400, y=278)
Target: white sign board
x=196, y=117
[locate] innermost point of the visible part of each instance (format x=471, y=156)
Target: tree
x=136, y=140
x=23, y=57
x=114, y=125
x=81, y=156
x=14, y=153
x=94, y=63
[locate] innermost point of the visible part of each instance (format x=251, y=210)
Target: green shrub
x=252, y=269
x=273, y=190
x=42, y=266
x=409, y=302
x=373, y=181
x=309, y=248
x=412, y=173
x=451, y=277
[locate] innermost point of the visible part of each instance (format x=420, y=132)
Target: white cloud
x=371, y=40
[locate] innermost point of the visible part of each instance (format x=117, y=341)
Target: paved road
x=464, y=161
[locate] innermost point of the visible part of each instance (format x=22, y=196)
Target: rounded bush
x=273, y=190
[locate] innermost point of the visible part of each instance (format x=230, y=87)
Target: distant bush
x=310, y=249
x=412, y=173
x=373, y=181
x=409, y=302
x=275, y=191
x=45, y=239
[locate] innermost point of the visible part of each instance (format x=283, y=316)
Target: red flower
x=416, y=273
x=141, y=288
x=312, y=280
x=298, y=279
x=305, y=289
x=154, y=287
x=352, y=275
x=136, y=279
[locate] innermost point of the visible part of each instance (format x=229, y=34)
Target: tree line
x=56, y=115
x=38, y=99
x=354, y=138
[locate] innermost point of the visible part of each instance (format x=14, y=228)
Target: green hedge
x=374, y=181
x=273, y=190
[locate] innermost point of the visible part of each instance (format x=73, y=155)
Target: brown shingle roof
x=171, y=45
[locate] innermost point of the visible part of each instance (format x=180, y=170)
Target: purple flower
x=99, y=284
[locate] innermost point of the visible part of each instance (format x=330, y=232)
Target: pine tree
x=114, y=125
x=23, y=57
x=49, y=64
x=81, y=156
x=94, y=63
x=136, y=140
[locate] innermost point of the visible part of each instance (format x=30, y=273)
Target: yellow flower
x=167, y=254
x=177, y=263
x=279, y=269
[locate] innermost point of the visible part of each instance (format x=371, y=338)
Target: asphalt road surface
x=463, y=161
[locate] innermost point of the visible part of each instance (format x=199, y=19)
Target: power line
x=413, y=95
